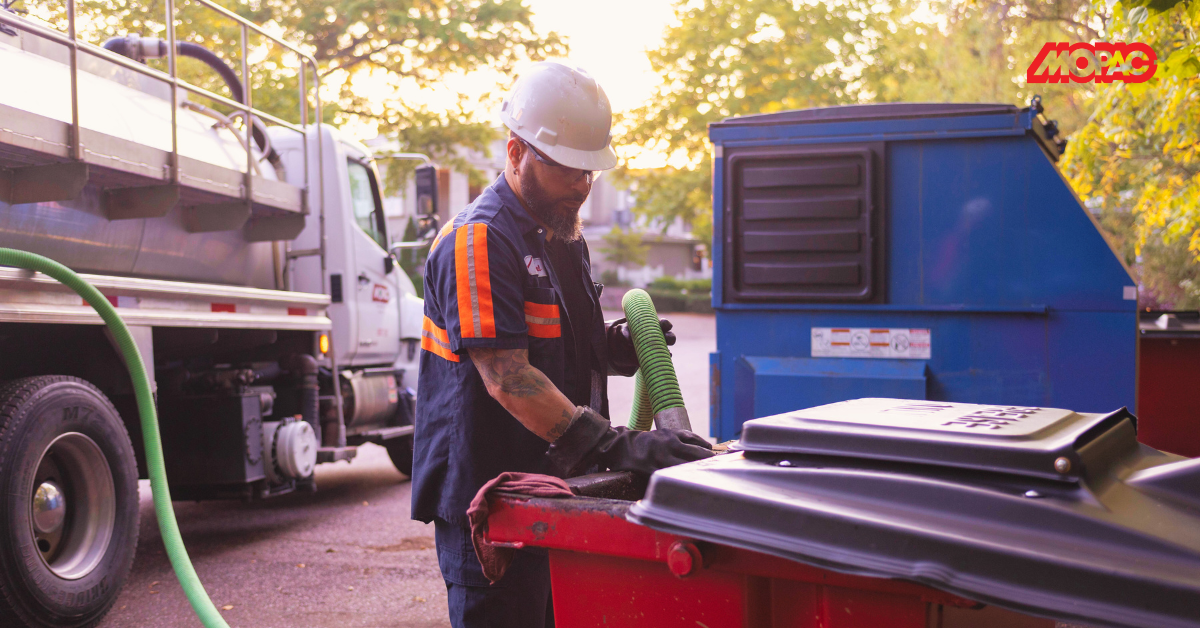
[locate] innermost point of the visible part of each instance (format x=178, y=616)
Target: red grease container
x=1168, y=407
x=608, y=572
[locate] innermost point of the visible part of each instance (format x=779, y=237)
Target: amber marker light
x=323, y=343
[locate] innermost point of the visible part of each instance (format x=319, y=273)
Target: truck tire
x=68, y=503
x=400, y=450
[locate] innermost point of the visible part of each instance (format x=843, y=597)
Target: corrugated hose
x=192, y=588
x=655, y=387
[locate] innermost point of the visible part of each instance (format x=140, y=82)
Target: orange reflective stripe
x=441, y=234
x=544, y=331
x=483, y=281
x=435, y=340
x=438, y=332
x=462, y=278
x=542, y=320
x=474, y=283
x=544, y=310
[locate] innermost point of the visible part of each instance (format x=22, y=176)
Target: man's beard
x=561, y=215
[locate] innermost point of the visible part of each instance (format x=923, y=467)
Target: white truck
x=249, y=256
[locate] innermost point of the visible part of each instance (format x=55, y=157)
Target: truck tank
x=124, y=104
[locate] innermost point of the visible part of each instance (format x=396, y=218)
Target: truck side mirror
x=427, y=190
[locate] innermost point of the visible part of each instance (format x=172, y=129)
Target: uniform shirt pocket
x=542, y=313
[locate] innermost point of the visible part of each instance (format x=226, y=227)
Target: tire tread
x=13, y=397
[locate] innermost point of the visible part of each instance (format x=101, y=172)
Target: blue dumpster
x=917, y=251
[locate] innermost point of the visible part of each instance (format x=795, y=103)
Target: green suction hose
x=640, y=416
x=656, y=387
x=205, y=610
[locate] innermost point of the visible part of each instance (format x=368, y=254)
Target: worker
x=513, y=373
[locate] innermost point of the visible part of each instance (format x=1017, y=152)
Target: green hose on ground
x=192, y=588
x=655, y=381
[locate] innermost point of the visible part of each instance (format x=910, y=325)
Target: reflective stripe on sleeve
x=435, y=340
x=543, y=320
x=474, y=282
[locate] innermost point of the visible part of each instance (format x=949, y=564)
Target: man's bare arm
x=524, y=391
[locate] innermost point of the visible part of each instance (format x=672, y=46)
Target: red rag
x=495, y=560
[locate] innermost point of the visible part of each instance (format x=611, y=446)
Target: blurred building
x=672, y=252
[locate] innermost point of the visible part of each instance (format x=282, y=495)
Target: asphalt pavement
x=347, y=556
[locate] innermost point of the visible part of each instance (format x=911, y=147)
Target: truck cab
x=367, y=289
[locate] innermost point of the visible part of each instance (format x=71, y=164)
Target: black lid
x=1007, y=439
x=1119, y=546
x=846, y=113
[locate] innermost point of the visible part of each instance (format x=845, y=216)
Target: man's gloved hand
x=590, y=440
x=622, y=357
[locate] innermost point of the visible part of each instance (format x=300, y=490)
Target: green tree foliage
x=1134, y=152
x=1137, y=160
x=740, y=57
x=386, y=42
x=978, y=51
x=624, y=248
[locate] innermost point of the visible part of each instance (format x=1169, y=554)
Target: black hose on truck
x=141, y=48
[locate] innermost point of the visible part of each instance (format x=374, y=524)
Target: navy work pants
x=521, y=599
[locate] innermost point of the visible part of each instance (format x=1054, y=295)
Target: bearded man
x=515, y=351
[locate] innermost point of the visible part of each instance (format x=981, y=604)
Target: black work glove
x=622, y=358
x=590, y=440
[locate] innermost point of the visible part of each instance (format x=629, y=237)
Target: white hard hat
x=563, y=112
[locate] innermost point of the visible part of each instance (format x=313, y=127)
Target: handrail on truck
x=306, y=61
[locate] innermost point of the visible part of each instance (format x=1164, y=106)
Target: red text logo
x=380, y=293
x=1101, y=62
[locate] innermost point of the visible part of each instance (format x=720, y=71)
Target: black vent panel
x=802, y=225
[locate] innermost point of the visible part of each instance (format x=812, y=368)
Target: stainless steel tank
x=78, y=235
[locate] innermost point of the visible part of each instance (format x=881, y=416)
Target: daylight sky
x=608, y=39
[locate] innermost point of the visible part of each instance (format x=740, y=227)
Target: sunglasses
x=566, y=171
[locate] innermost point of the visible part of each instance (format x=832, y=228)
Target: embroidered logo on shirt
x=534, y=266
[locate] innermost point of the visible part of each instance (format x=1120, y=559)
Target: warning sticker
x=865, y=342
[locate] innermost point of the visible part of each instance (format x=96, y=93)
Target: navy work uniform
x=489, y=284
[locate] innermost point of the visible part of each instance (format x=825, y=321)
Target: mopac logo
x=1101, y=62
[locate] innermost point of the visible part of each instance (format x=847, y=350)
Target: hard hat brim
x=603, y=159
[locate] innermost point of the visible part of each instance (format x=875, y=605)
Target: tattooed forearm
x=524, y=391
x=509, y=372
x=559, y=428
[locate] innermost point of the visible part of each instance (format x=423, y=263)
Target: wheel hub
x=73, y=506
x=49, y=508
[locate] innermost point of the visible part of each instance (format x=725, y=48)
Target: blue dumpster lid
x=1115, y=541
x=894, y=121
x=889, y=111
